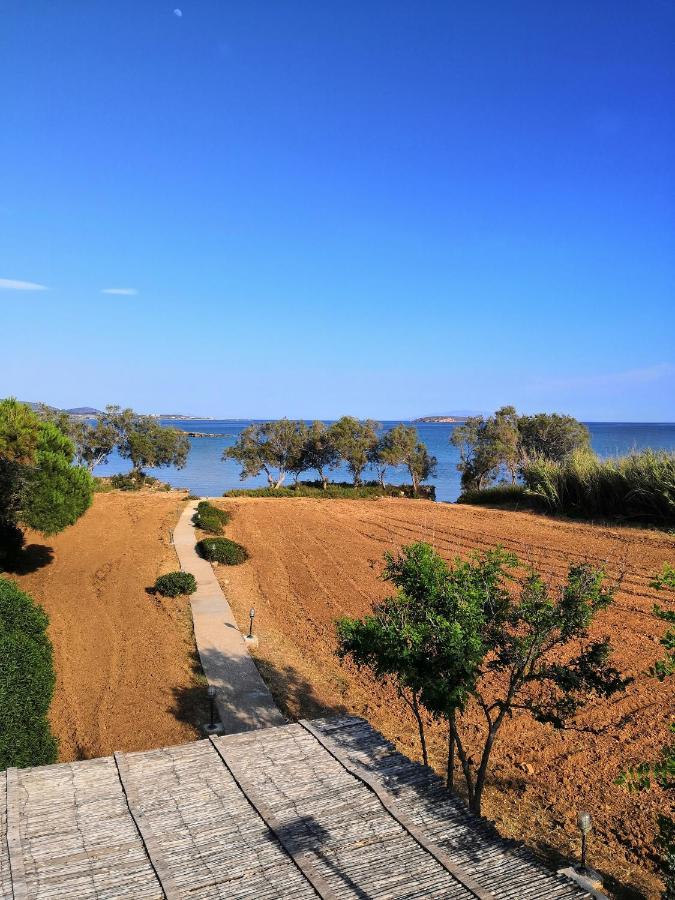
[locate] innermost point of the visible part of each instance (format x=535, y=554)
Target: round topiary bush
x=210, y=518
x=174, y=584
x=222, y=550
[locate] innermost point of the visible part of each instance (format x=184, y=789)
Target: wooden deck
x=326, y=809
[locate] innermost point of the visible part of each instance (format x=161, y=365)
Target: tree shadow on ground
x=292, y=693
x=28, y=559
x=378, y=757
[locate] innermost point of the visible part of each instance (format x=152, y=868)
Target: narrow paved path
x=242, y=697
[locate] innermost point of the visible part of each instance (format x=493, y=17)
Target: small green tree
x=26, y=681
x=662, y=772
x=39, y=486
x=476, y=643
x=274, y=448
x=355, y=441
x=143, y=441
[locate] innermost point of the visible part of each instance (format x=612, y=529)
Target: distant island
x=431, y=420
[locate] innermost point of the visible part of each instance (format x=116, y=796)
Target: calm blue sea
x=206, y=475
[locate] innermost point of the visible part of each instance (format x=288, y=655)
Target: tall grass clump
x=640, y=485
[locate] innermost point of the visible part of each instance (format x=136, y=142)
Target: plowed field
x=312, y=561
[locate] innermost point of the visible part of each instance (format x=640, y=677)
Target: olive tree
x=319, y=451
x=144, y=441
x=355, y=441
x=400, y=446
x=94, y=441
x=274, y=448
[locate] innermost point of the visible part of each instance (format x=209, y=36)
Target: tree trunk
x=420, y=726
x=324, y=479
x=451, y=753
x=475, y=802
x=381, y=473
x=466, y=766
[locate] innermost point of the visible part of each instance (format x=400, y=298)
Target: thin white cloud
x=121, y=292
x=178, y=13
x=9, y=284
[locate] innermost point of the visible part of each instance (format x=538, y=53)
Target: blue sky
x=309, y=209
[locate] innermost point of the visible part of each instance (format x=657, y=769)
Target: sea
x=206, y=474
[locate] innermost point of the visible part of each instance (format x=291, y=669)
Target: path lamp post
x=251, y=616
x=585, y=823
x=211, y=691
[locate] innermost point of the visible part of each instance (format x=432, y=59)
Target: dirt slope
x=312, y=561
x=123, y=658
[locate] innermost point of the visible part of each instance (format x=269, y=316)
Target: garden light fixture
x=211, y=692
x=585, y=823
x=251, y=616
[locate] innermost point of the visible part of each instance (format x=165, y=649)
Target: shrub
x=222, y=550
x=126, y=482
x=498, y=495
x=210, y=518
x=26, y=681
x=175, y=584
x=371, y=490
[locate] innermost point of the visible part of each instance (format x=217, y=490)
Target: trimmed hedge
x=210, y=518
x=222, y=550
x=26, y=681
x=176, y=584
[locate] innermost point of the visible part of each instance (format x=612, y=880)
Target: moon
x=178, y=13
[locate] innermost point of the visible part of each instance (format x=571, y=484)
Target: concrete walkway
x=242, y=698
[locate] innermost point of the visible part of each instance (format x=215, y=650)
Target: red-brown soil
x=123, y=658
x=312, y=561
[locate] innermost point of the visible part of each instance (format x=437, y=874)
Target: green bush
x=638, y=486
x=371, y=490
x=222, y=550
x=176, y=584
x=126, y=482
x=210, y=518
x=498, y=495
x=26, y=681
x=133, y=481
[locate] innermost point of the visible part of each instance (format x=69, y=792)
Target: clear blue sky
x=380, y=208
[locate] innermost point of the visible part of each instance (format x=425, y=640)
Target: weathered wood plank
x=152, y=847
x=401, y=817
x=14, y=849
x=508, y=870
